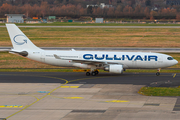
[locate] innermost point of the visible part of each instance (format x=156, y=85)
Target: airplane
x=114, y=62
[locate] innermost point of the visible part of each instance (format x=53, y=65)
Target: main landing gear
x=88, y=73
x=94, y=73
x=158, y=72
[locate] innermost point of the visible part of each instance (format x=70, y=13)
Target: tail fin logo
x=20, y=39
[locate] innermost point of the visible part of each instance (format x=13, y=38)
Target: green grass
x=159, y=91
x=35, y=70
x=98, y=37
x=89, y=37
x=151, y=71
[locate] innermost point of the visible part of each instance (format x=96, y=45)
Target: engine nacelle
x=114, y=69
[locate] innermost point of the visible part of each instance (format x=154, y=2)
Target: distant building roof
x=172, y=2
x=15, y=18
x=102, y=5
x=14, y=14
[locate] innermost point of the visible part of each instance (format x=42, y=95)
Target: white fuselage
x=114, y=62
x=129, y=60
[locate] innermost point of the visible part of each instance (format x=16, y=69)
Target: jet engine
x=114, y=69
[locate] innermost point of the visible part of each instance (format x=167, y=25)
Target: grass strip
x=152, y=71
x=159, y=91
x=98, y=37
x=35, y=70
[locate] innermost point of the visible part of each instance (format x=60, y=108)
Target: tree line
x=76, y=11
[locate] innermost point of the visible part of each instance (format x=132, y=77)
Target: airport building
x=102, y=5
x=172, y=2
x=15, y=18
x=99, y=20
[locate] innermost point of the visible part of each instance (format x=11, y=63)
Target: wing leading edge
x=88, y=62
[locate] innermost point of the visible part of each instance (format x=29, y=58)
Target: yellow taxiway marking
x=67, y=97
x=69, y=86
x=86, y=79
x=80, y=70
x=11, y=106
x=174, y=75
x=37, y=99
x=73, y=97
x=116, y=101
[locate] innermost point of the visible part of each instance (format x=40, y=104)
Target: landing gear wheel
x=87, y=73
x=97, y=72
x=158, y=73
x=93, y=73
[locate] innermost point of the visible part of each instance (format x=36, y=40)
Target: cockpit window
x=170, y=58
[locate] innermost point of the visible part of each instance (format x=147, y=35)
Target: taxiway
x=74, y=96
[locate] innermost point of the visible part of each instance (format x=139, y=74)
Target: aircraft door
x=42, y=56
x=80, y=56
x=160, y=59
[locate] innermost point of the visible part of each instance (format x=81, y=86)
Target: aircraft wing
x=89, y=62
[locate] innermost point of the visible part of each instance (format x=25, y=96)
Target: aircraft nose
x=175, y=62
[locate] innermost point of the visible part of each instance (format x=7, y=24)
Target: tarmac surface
x=74, y=96
x=35, y=26
x=120, y=49
x=80, y=77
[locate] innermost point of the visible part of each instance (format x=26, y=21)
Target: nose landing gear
x=158, y=72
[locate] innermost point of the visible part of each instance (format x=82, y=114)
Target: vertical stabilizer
x=19, y=40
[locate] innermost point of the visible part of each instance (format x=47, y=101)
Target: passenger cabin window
x=170, y=58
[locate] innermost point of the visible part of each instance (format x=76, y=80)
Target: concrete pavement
x=72, y=96
x=36, y=26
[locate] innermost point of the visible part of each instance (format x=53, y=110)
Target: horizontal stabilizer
x=22, y=53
